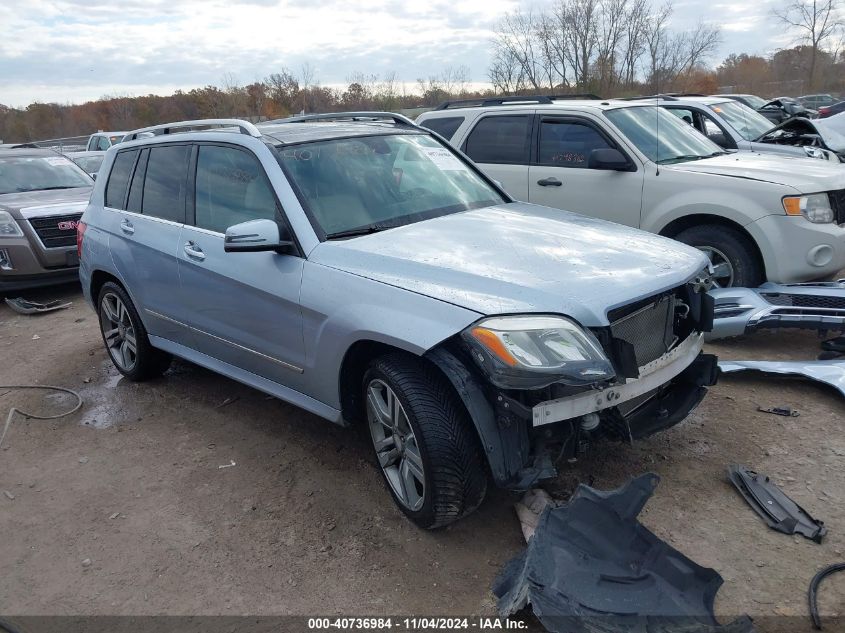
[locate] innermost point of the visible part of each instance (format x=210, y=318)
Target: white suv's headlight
x=8, y=226
x=534, y=351
x=816, y=152
x=815, y=207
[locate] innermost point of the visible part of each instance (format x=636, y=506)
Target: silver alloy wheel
x=118, y=332
x=723, y=270
x=396, y=445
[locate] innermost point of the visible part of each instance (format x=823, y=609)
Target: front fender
x=360, y=309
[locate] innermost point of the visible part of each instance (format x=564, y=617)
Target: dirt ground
x=193, y=494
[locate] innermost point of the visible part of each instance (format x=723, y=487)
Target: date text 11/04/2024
x=415, y=624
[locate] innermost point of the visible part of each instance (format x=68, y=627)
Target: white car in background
x=757, y=217
x=101, y=141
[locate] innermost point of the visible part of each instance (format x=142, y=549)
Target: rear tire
x=732, y=254
x=424, y=425
x=125, y=336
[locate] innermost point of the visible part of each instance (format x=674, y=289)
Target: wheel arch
x=678, y=225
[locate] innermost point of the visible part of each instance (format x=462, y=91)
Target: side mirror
x=610, y=159
x=254, y=236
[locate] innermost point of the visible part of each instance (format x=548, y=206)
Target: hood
x=800, y=131
x=807, y=176
x=518, y=258
x=33, y=204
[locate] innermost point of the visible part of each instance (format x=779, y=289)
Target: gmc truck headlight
x=815, y=207
x=8, y=226
x=530, y=352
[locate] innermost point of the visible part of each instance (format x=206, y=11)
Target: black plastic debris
x=833, y=349
x=591, y=566
x=784, y=411
x=813, y=591
x=778, y=511
x=23, y=306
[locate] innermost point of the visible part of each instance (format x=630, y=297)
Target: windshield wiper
x=682, y=158
x=360, y=230
x=53, y=187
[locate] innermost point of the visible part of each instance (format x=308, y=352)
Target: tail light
x=80, y=233
x=824, y=111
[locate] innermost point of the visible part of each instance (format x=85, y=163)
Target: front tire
x=126, y=338
x=733, y=255
x=426, y=446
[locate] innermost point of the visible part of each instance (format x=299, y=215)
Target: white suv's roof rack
x=245, y=127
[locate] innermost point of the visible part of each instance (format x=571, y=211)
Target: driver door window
x=231, y=188
x=568, y=144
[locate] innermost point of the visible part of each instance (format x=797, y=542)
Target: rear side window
x=500, y=139
x=136, y=189
x=166, y=182
x=568, y=144
x=121, y=171
x=231, y=188
x=445, y=126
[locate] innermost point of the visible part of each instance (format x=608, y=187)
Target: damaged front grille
x=648, y=328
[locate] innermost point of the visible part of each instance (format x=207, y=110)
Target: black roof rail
x=399, y=119
x=484, y=102
x=666, y=97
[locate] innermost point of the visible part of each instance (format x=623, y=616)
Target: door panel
x=561, y=179
x=244, y=307
x=144, y=248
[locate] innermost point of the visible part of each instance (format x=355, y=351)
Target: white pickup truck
x=757, y=216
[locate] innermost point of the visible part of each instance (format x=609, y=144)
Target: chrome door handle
x=549, y=182
x=126, y=227
x=193, y=251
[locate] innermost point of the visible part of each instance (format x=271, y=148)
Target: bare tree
x=518, y=36
x=815, y=22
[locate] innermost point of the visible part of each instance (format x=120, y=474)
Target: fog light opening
x=5, y=260
x=820, y=256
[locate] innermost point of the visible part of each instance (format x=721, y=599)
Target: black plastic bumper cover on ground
x=591, y=566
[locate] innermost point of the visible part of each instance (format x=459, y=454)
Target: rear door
x=499, y=143
x=244, y=307
x=147, y=193
x=559, y=176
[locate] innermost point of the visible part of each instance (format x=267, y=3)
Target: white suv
x=758, y=217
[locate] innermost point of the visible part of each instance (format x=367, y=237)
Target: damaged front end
x=818, y=138
x=540, y=388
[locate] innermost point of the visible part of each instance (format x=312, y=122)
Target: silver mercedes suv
x=357, y=266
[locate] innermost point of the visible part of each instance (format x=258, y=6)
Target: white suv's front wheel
x=732, y=254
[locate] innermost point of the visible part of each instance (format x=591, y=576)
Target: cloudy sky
x=77, y=50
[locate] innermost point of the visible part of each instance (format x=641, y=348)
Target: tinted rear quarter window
x=136, y=189
x=445, y=126
x=121, y=171
x=166, y=182
x=500, y=139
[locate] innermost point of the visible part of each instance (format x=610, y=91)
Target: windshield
x=678, y=141
x=754, y=101
x=35, y=173
x=748, y=123
x=364, y=184
x=90, y=164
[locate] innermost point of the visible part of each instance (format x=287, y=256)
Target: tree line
x=607, y=47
